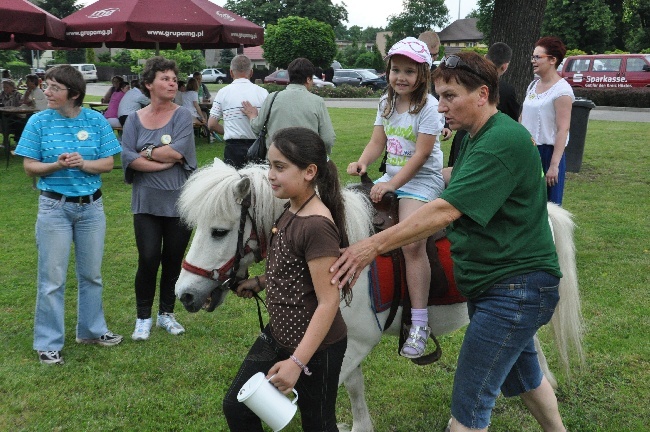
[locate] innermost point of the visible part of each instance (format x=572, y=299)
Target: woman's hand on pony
x=249, y=287
x=284, y=375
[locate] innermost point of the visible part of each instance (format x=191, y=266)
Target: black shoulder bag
x=257, y=151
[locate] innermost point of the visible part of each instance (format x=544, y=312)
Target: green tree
x=620, y=27
x=25, y=55
x=90, y=55
x=417, y=16
x=370, y=33
x=348, y=56
x=105, y=57
x=9, y=56
x=518, y=24
x=226, y=57
x=76, y=56
x=484, y=13
x=295, y=37
x=587, y=24
x=187, y=61
x=264, y=12
x=355, y=33
x=341, y=32
x=636, y=15
x=58, y=8
x=123, y=58
x=371, y=60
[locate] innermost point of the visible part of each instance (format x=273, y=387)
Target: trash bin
x=577, y=133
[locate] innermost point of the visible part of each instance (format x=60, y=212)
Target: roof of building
x=461, y=30
x=254, y=53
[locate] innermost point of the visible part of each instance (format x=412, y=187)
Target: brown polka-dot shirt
x=291, y=298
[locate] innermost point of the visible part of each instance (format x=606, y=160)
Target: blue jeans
x=58, y=225
x=498, y=352
x=554, y=193
x=317, y=392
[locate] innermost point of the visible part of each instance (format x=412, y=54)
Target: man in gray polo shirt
x=227, y=106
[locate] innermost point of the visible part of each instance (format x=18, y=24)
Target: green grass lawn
x=177, y=383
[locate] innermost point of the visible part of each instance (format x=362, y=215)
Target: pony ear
x=218, y=163
x=242, y=188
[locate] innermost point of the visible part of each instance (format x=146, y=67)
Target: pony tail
x=329, y=190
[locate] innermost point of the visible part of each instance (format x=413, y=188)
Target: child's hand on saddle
x=378, y=190
x=249, y=287
x=356, y=169
x=284, y=375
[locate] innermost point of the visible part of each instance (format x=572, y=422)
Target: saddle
x=442, y=289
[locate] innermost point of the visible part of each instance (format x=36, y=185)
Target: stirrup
x=416, y=341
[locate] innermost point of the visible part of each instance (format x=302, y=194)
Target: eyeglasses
x=55, y=89
x=536, y=57
x=455, y=62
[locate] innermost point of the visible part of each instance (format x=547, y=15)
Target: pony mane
x=358, y=215
x=211, y=193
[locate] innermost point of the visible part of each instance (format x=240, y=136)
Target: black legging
x=316, y=393
x=161, y=241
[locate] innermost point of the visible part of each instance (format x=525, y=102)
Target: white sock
x=420, y=317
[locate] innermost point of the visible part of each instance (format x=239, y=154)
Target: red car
x=280, y=77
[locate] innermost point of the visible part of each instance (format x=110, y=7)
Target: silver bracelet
x=304, y=368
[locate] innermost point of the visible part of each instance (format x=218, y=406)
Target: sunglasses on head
x=455, y=62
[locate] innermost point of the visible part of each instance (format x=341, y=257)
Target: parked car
x=88, y=70
x=38, y=72
x=607, y=70
x=280, y=77
x=359, y=78
x=318, y=82
x=212, y=76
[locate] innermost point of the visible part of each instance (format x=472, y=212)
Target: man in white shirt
x=236, y=129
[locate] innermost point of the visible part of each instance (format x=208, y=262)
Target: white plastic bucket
x=267, y=402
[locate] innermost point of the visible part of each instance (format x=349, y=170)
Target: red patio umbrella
x=195, y=24
x=27, y=22
x=35, y=46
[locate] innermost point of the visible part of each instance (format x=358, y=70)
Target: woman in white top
x=546, y=113
x=191, y=101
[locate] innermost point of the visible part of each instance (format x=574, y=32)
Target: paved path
x=598, y=113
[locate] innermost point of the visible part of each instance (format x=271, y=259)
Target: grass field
x=176, y=383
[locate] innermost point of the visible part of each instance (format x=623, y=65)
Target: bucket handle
x=295, y=400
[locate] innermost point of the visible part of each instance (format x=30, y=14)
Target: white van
x=87, y=70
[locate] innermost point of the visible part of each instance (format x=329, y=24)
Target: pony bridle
x=226, y=276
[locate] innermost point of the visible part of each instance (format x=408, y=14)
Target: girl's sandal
x=416, y=343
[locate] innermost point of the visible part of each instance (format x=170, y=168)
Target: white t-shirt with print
x=401, y=132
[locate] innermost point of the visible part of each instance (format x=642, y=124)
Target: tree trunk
x=518, y=23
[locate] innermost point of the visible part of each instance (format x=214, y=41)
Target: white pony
x=214, y=201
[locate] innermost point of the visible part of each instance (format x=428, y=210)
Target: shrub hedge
x=18, y=70
x=344, y=91
x=621, y=97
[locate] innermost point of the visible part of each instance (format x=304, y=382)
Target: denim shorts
x=498, y=351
